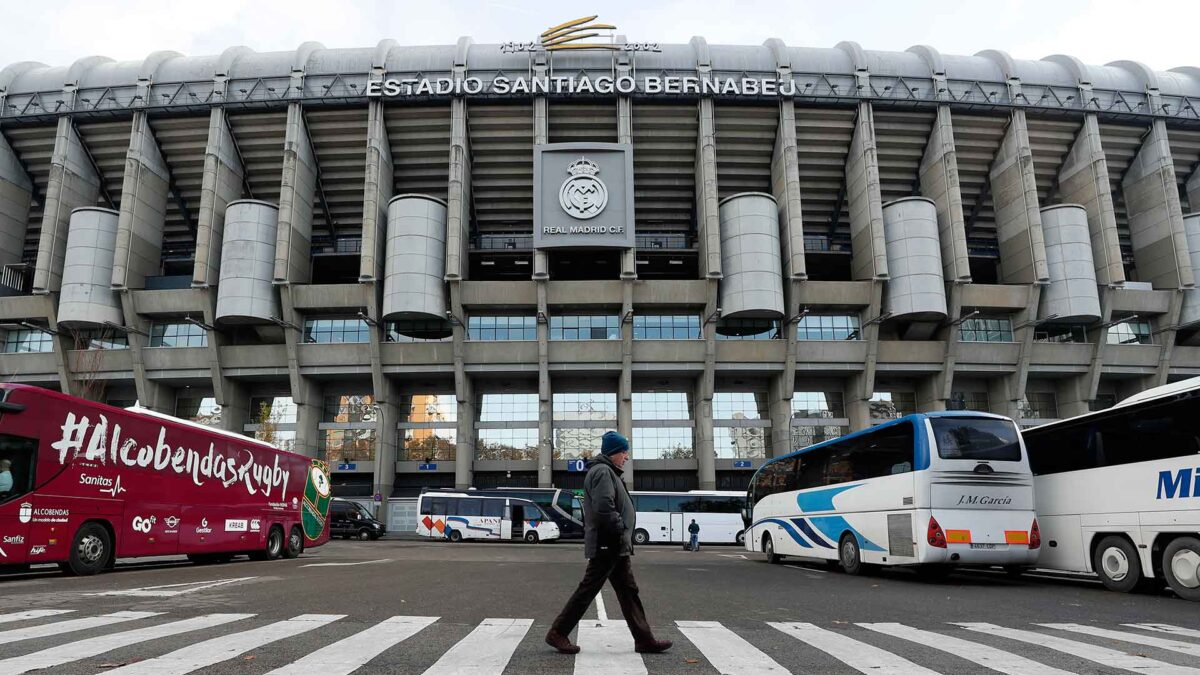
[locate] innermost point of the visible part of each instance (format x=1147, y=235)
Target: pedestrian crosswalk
x=159, y=643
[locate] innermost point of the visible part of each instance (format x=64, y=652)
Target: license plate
x=986, y=547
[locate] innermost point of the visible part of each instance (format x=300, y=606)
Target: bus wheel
x=849, y=556
x=531, y=537
x=295, y=544
x=768, y=547
x=1117, y=563
x=1181, y=567
x=455, y=536
x=274, y=547
x=641, y=537
x=89, y=551
x=740, y=538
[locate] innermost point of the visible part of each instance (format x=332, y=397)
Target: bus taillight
x=1035, y=536
x=935, y=535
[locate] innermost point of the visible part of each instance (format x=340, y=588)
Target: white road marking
x=83, y=649
x=486, y=650
x=60, y=627
x=1102, y=655
x=216, y=650
x=349, y=564
x=860, y=656
x=347, y=655
x=173, y=590
x=733, y=555
x=607, y=649
x=975, y=652
x=32, y=614
x=1188, y=648
x=1166, y=628
x=601, y=613
x=728, y=652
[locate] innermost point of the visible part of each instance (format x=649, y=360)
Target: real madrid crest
x=583, y=195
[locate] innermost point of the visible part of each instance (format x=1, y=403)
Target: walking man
x=694, y=530
x=609, y=519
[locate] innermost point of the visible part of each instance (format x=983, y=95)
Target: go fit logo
x=144, y=525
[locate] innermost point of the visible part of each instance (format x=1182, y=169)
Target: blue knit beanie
x=612, y=443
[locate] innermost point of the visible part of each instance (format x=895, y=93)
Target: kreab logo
x=144, y=525
x=583, y=195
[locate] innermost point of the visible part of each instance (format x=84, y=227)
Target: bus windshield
x=976, y=438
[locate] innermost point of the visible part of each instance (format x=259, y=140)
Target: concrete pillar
x=464, y=458
x=144, y=192
x=861, y=385
x=73, y=183
x=150, y=394
x=625, y=136
x=541, y=136
x=305, y=393
x=780, y=392
x=625, y=383
x=298, y=188
x=869, y=253
x=705, y=450
x=387, y=442
x=221, y=184
x=939, y=182
x=1166, y=339
x=785, y=187
x=1014, y=383
x=708, y=221
x=1083, y=179
x=16, y=196
x=458, y=196
x=458, y=200
x=377, y=192
x=1018, y=219
x=545, y=393
x=1151, y=193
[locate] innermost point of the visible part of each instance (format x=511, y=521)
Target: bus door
x=517, y=521
x=677, y=527
x=15, y=511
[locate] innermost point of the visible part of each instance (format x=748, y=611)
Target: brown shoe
x=655, y=647
x=563, y=643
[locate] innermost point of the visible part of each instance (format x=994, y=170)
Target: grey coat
x=609, y=516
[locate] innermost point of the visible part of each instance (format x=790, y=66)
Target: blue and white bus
x=1118, y=490
x=930, y=489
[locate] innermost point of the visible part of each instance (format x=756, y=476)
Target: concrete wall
x=246, y=294
x=1071, y=294
x=753, y=284
x=1155, y=219
x=222, y=183
x=16, y=194
x=939, y=182
x=87, y=298
x=862, y=193
x=293, y=263
x=144, y=192
x=415, y=265
x=1083, y=179
x=74, y=183
x=1014, y=194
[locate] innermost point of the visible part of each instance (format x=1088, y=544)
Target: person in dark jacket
x=694, y=530
x=609, y=518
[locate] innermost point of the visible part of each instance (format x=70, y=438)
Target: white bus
x=1118, y=491
x=665, y=516
x=457, y=516
x=930, y=489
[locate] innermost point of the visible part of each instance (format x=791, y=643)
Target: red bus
x=83, y=483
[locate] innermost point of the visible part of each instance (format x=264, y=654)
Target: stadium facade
x=458, y=265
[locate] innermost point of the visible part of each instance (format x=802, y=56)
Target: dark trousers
x=617, y=570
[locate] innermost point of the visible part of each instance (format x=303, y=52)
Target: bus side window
x=437, y=506
x=493, y=508
x=469, y=507
x=652, y=503
x=18, y=459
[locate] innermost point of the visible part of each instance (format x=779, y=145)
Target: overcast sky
x=1159, y=33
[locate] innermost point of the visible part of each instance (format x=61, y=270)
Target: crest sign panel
x=583, y=195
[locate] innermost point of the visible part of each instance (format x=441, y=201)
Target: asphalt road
x=484, y=607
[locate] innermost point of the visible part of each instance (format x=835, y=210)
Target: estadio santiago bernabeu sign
x=584, y=85
x=583, y=195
